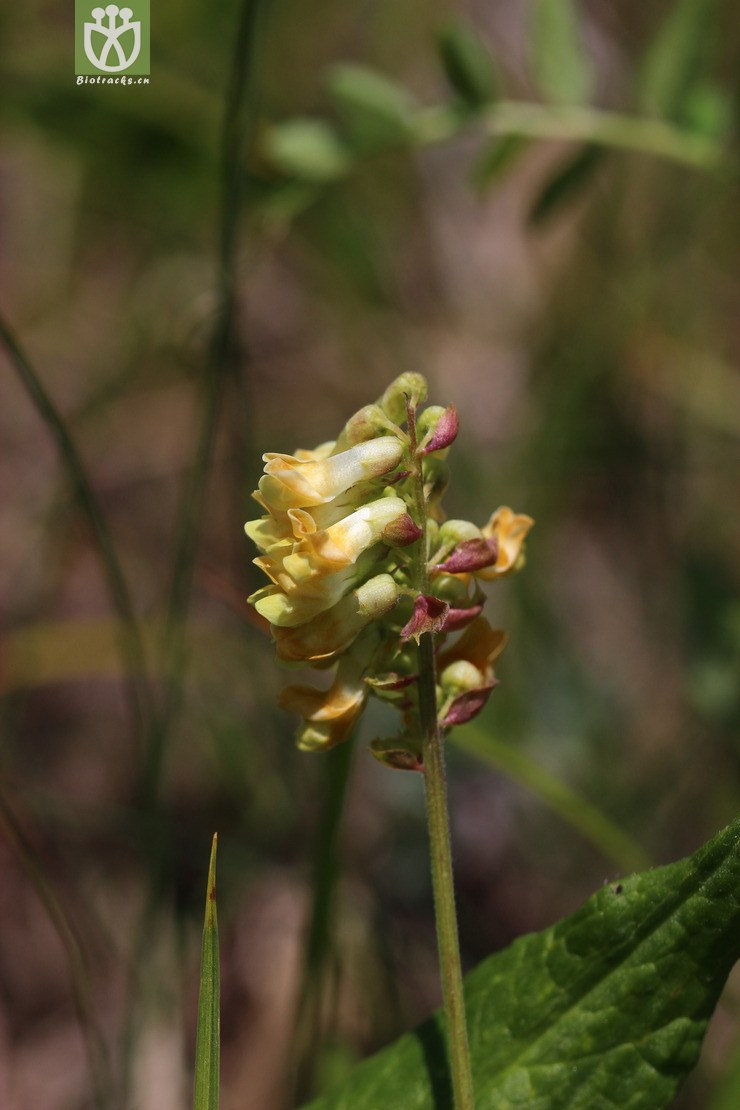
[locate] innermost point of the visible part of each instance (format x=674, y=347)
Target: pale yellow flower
x=311, y=574
x=331, y=631
x=290, y=482
x=328, y=715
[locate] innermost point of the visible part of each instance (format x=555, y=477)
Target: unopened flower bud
x=367, y=423
x=459, y=677
x=437, y=428
x=458, y=531
x=393, y=401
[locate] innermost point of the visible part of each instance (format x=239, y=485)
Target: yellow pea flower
x=294, y=483
x=332, y=631
x=328, y=715
x=510, y=530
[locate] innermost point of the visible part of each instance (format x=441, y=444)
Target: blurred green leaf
x=726, y=1095
x=308, y=149
x=570, y=806
x=564, y=185
x=677, y=57
x=606, y=1008
x=207, y=1047
x=561, y=67
x=468, y=64
x=495, y=159
x=707, y=111
x=375, y=111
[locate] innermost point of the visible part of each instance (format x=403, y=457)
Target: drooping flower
x=347, y=551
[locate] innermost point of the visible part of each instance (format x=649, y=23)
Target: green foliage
x=375, y=111
x=495, y=159
x=307, y=149
x=607, y=1007
x=677, y=58
x=566, y=183
x=560, y=64
x=468, y=64
x=207, y=1047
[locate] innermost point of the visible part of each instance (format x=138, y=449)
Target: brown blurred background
x=593, y=358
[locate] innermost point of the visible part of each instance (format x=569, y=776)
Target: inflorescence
x=362, y=562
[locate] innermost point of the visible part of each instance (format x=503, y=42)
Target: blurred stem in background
x=129, y=633
x=226, y=360
x=315, y=1010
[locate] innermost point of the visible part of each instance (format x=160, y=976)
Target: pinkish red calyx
x=445, y=433
x=401, y=532
x=429, y=615
x=469, y=556
x=467, y=705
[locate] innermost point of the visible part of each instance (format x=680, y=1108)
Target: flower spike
x=344, y=536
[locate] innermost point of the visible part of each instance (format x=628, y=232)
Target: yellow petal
x=479, y=644
x=292, y=483
x=333, y=630
x=510, y=529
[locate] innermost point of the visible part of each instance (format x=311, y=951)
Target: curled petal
x=429, y=616
x=510, y=529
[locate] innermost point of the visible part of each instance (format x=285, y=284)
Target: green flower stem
x=435, y=780
x=448, y=944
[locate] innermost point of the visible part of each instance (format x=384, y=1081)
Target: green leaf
x=207, y=1045
x=606, y=1008
x=375, y=111
x=564, y=185
x=677, y=57
x=468, y=65
x=561, y=67
x=307, y=149
x=495, y=159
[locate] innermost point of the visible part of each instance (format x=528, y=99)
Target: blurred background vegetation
x=179, y=296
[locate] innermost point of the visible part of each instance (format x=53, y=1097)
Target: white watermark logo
x=103, y=39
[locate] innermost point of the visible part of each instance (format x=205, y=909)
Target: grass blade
x=207, y=1046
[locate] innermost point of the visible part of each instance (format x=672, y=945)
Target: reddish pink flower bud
x=429, y=616
x=467, y=705
x=401, y=532
x=469, y=556
x=444, y=433
x=461, y=618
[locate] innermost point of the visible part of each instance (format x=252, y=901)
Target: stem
x=574, y=123
x=448, y=944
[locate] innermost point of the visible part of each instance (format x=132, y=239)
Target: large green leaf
x=606, y=1008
